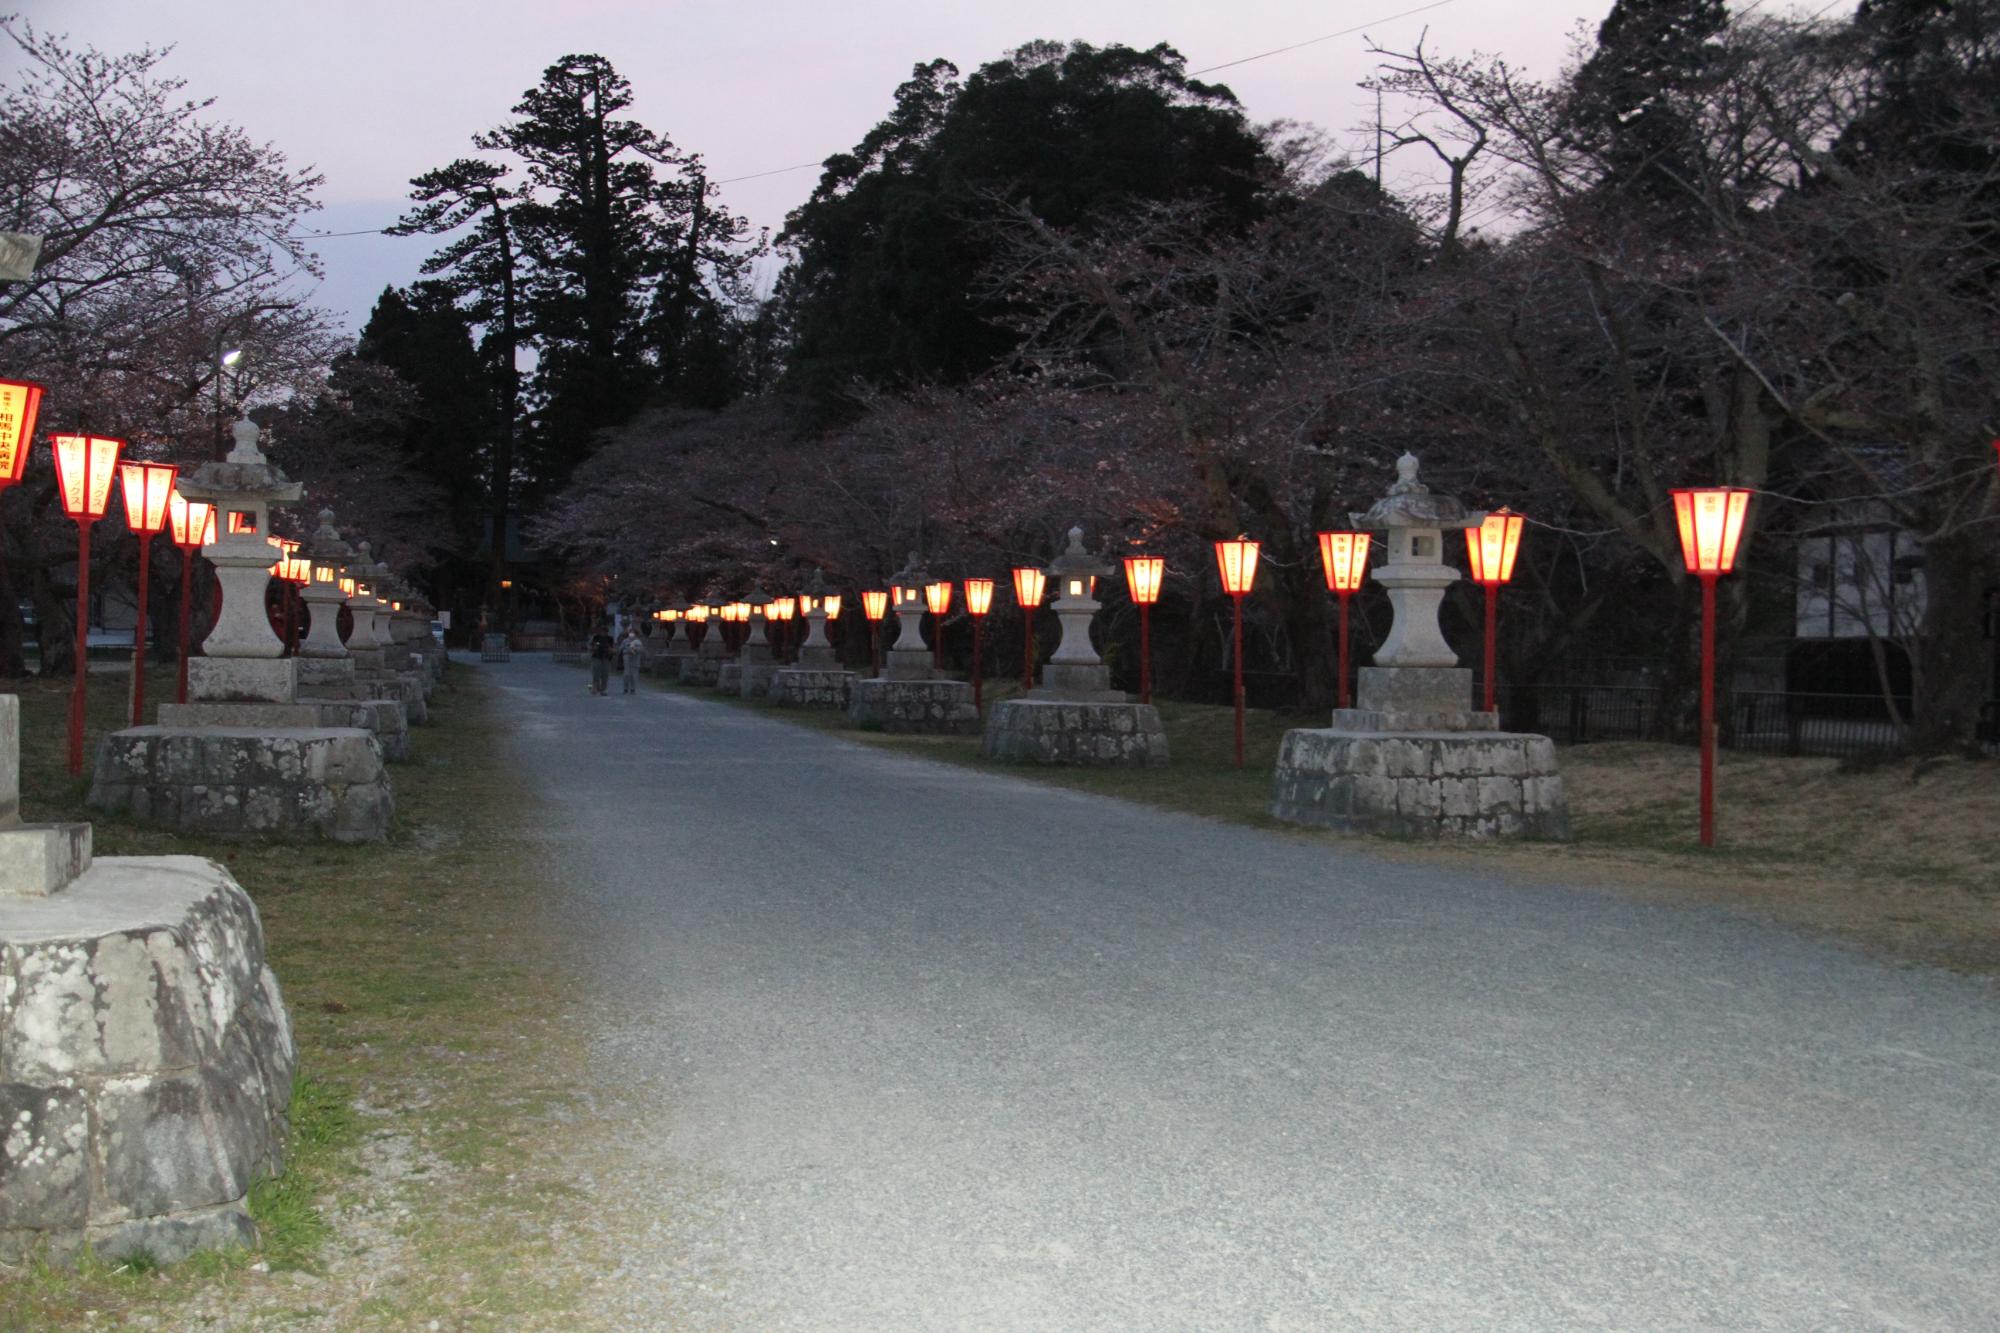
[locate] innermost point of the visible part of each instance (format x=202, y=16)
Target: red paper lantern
x=20, y=404
x=1237, y=561
x=1143, y=576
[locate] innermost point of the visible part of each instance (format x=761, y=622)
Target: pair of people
x=602, y=650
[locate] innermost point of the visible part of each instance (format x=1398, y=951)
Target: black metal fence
x=1765, y=721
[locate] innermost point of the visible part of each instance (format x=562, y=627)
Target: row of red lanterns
x=86, y=465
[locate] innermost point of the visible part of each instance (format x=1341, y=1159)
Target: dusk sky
x=373, y=93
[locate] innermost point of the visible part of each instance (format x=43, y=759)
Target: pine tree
x=1635, y=101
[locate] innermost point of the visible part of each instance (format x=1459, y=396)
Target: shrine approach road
x=896, y=1044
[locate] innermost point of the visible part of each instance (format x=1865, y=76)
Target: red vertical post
x=76, y=693
x=1145, y=653
x=139, y=634
x=1492, y=637
x=1027, y=649
x=1238, y=655
x=875, y=646
x=1708, y=710
x=1341, y=693
x=978, y=626
x=187, y=604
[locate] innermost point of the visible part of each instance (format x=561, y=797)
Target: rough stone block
x=812, y=687
x=39, y=859
x=938, y=707
x=239, y=783
x=1429, y=785
x=1040, y=731
x=145, y=1062
x=243, y=679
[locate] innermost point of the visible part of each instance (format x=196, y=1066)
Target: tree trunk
x=1953, y=671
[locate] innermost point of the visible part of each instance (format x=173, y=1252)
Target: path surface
x=911, y=1046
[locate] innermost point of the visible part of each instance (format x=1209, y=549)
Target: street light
x=937, y=596
x=1028, y=582
x=1490, y=548
x=1143, y=575
x=875, y=605
x=193, y=525
x=1711, y=525
x=1237, y=562
x=978, y=601
x=148, y=488
x=1344, y=557
x=85, y=465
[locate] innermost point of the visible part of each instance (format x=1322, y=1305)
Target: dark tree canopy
x=1632, y=101
x=889, y=253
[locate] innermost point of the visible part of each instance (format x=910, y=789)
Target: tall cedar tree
x=885, y=284
x=1630, y=102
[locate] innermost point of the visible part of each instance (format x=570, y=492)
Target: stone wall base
x=931, y=707
x=699, y=670
x=1484, y=784
x=1052, y=731
x=236, y=782
x=810, y=687
x=754, y=680
x=729, y=678
x=315, y=708
x=145, y=1063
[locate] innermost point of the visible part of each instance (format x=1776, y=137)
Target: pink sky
x=373, y=93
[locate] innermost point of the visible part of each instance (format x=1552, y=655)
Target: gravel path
x=911, y=1046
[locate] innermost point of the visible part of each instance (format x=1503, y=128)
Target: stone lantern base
x=1059, y=731
x=924, y=707
x=256, y=783
x=729, y=678
x=812, y=687
x=1413, y=762
x=754, y=682
x=147, y=1062
x=699, y=670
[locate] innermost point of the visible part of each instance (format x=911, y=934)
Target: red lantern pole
x=1236, y=651
x=76, y=693
x=978, y=601
x=1342, y=691
x=1492, y=638
x=1143, y=574
x=1708, y=710
x=187, y=603
x=139, y=633
x=1236, y=561
x=85, y=466
x=1028, y=584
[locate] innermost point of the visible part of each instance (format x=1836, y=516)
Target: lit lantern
x=875, y=605
x=20, y=405
x=1711, y=525
x=978, y=601
x=1344, y=558
x=240, y=522
x=1028, y=584
x=807, y=604
x=1237, y=562
x=937, y=596
x=832, y=603
x=149, y=490
x=1143, y=576
x=85, y=465
x=348, y=587
x=1490, y=549
x=192, y=523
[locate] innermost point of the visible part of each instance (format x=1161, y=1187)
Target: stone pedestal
x=698, y=670
x=729, y=677
x=938, y=707
x=280, y=784
x=812, y=687
x=1051, y=731
x=754, y=678
x=145, y=1062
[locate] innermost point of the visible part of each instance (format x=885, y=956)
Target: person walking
x=631, y=649
x=600, y=660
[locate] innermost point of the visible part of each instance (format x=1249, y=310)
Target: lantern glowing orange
x=874, y=604
x=1491, y=547
x=1143, y=576
x=784, y=608
x=1711, y=525
x=937, y=596
x=242, y=522
x=85, y=465
x=192, y=523
x=978, y=601
x=20, y=404
x=149, y=487
x=1237, y=562
x=832, y=604
x=1028, y=584
x=1344, y=558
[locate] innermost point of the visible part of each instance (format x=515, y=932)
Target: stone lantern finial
x=246, y=433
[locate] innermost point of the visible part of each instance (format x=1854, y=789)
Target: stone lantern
x=758, y=660
x=1074, y=716
x=364, y=643
x=243, y=656
x=911, y=695
x=817, y=680
x=327, y=555
x=1413, y=758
